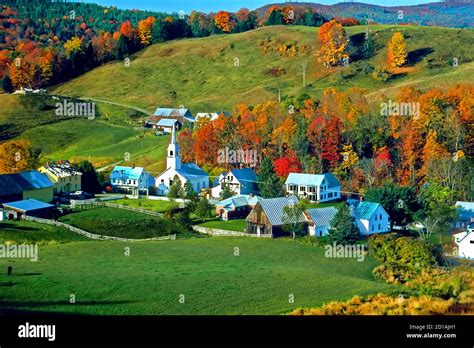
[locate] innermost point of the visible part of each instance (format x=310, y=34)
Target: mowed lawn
x=147, y=204
x=121, y=223
x=231, y=225
x=206, y=271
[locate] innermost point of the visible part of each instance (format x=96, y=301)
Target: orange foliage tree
x=333, y=43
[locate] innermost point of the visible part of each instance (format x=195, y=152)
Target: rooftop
x=312, y=179
x=362, y=210
x=322, y=216
x=62, y=169
x=126, y=173
x=24, y=181
x=273, y=208
x=28, y=205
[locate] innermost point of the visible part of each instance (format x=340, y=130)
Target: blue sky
x=229, y=5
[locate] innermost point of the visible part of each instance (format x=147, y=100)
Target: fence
x=92, y=235
x=92, y=205
x=227, y=233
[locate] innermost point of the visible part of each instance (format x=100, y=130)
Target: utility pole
x=304, y=72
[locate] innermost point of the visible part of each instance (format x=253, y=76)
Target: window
x=171, y=153
x=380, y=217
x=372, y=227
x=375, y=217
x=203, y=184
x=301, y=188
x=198, y=186
x=379, y=227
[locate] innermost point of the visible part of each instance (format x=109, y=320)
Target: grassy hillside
x=201, y=74
x=205, y=271
x=105, y=140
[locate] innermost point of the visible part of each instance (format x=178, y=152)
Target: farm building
x=63, y=175
x=131, y=179
x=188, y=173
x=32, y=207
x=24, y=185
x=314, y=187
x=241, y=181
x=182, y=115
x=370, y=217
x=319, y=220
x=465, y=242
x=236, y=207
x=266, y=217
x=465, y=214
x=211, y=116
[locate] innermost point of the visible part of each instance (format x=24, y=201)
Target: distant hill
x=456, y=14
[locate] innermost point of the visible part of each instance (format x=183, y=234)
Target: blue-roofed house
x=182, y=115
x=465, y=214
x=242, y=181
x=188, y=173
x=236, y=207
x=266, y=218
x=319, y=220
x=314, y=187
x=31, y=207
x=465, y=242
x=134, y=180
x=370, y=217
x=24, y=185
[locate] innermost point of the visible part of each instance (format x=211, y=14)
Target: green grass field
x=120, y=223
x=148, y=204
x=25, y=232
x=201, y=74
x=231, y=225
x=213, y=280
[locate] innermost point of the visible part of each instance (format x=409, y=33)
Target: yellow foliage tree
x=73, y=45
x=14, y=156
x=397, y=50
x=333, y=41
x=144, y=30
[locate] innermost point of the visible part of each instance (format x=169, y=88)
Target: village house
x=188, y=173
x=465, y=242
x=242, y=181
x=370, y=217
x=314, y=187
x=465, y=214
x=24, y=185
x=31, y=207
x=319, y=220
x=236, y=207
x=266, y=218
x=211, y=116
x=134, y=180
x=63, y=175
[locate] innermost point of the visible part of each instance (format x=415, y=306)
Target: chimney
x=251, y=195
x=361, y=198
x=241, y=165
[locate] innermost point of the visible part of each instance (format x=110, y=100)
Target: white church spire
x=174, y=158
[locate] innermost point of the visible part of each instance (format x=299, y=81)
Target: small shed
x=32, y=207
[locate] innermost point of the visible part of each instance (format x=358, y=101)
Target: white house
x=465, y=242
x=211, y=116
x=64, y=176
x=370, y=217
x=315, y=187
x=131, y=179
x=242, y=181
x=466, y=214
x=319, y=220
x=188, y=173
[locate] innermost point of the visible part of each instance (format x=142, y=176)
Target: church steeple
x=174, y=158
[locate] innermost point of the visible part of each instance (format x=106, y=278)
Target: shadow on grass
x=417, y=56
x=17, y=307
x=20, y=228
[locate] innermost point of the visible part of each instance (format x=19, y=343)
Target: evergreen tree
x=226, y=192
x=203, y=209
x=89, y=178
x=343, y=229
x=275, y=18
x=269, y=183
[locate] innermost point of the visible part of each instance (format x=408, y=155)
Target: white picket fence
x=92, y=235
x=227, y=233
x=92, y=205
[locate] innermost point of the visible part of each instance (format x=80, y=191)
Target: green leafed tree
x=226, y=192
x=203, y=209
x=176, y=188
x=292, y=219
x=89, y=178
x=343, y=229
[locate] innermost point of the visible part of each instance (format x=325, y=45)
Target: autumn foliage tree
x=224, y=21
x=333, y=42
x=397, y=50
x=15, y=156
x=144, y=30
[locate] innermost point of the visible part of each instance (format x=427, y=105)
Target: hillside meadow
x=206, y=271
x=218, y=72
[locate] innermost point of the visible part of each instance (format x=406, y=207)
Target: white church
x=188, y=173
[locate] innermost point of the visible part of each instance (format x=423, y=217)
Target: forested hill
x=455, y=14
